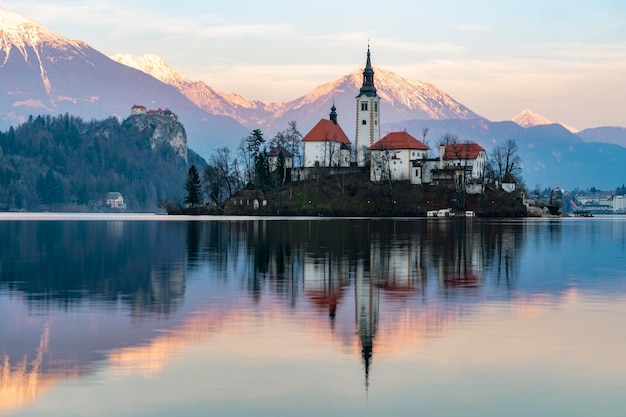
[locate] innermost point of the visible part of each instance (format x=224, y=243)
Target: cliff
x=162, y=131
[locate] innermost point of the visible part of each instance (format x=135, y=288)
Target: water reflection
x=134, y=294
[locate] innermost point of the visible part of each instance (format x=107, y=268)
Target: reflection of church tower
x=366, y=304
x=367, y=115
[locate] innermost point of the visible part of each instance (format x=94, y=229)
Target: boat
x=583, y=214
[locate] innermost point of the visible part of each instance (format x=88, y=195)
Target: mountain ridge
x=44, y=73
x=406, y=98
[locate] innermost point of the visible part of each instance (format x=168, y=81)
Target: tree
x=49, y=188
x=291, y=140
x=213, y=185
x=193, y=188
x=504, y=161
x=250, y=149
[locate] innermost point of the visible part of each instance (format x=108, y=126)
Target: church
x=327, y=145
x=397, y=157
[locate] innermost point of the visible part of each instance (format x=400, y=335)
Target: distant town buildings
x=599, y=203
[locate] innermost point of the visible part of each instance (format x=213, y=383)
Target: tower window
x=364, y=106
x=364, y=122
x=375, y=106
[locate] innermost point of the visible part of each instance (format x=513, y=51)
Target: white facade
x=397, y=165
x=368, y=125
x=326, y=154
x=619, y=203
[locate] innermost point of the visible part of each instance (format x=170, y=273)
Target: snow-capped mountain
x=529, y=118
x=402, y=99
x=44, y=73
x=248, y=112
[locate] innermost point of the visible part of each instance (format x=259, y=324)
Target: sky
x=565, y=60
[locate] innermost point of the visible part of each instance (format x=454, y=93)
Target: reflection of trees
x=400, y=256
x=58, y=263
x=382, y=261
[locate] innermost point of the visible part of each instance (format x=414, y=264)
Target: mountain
x=529, y=118
x=252, y=114
x=403, y=99
x=44, y=73
x=607, y=134
x=550, y=154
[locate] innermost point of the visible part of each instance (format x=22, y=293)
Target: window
x=375, y=106
x=364, y=106
x=364, y=122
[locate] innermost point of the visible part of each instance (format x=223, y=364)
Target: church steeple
x=367, y=114
x=368, y=88
x=333, y=114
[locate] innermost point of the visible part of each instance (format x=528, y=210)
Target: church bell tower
x=367, y=114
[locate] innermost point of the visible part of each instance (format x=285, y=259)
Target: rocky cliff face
x=162, y=131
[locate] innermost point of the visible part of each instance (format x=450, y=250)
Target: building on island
x=397, y=157
x=367, y=114
x=326, y=145
x=276, y=154
x=248, y=198
x=460, y=164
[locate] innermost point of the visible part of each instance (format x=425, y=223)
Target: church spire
x=368, y=88
x=333, y=113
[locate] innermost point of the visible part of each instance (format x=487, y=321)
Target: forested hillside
x=65, y=163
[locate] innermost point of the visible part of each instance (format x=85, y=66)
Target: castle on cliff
x=139, y=109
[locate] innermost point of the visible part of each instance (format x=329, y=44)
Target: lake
x=145, y=315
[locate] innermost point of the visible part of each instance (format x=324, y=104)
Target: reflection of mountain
x=370, y=285
x=384, y=264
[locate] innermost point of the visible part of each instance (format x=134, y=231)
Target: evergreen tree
x=193, y=188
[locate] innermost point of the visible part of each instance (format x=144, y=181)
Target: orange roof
x=398, y=140
x=462, y=151
x=326, y=130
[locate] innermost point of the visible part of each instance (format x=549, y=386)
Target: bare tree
x=423, y=136
x=504, y=161
x=291, y=140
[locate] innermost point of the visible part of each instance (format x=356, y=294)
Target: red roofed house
x=398, y=157
x=459, y=164
x=326, y=145
x=467, y=155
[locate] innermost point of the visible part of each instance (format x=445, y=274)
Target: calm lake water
x=171, y=316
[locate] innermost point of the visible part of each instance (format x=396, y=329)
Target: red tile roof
x=462, y=151
x=326, y=130
x=398, y=140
